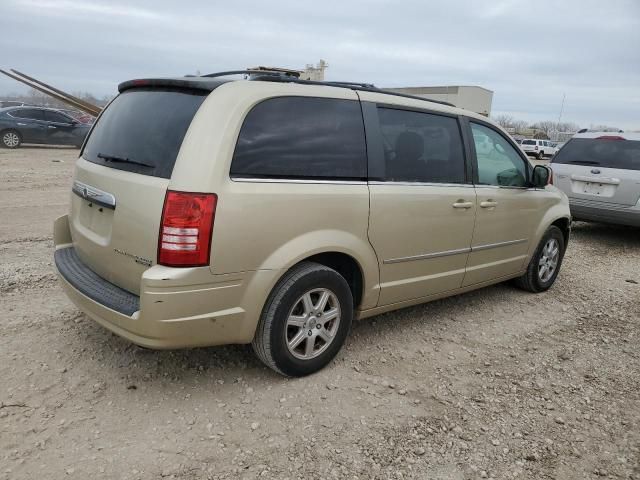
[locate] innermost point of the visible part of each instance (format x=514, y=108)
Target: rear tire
x=540, y=155
x=10, y=139
x=544, y=266
x=305, y=320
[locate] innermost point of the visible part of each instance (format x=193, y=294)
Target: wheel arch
x=345, y=252
x=564, y=224
x=345, y=265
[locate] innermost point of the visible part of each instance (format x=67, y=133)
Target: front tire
x=544, y=266
x=10, y=139
x=305, y=320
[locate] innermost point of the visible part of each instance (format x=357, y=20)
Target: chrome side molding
x=458, y=251
x=425, y=256
x=94, y=195
x=499, y=244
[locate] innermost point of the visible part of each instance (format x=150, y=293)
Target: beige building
x=315, y=73
x=476, y=99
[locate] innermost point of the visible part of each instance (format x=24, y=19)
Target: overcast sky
x=529, y=53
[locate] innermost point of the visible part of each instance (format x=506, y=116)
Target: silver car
x=600, y=173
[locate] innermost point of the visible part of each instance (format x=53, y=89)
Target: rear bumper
x=176, y=307
x=605, y=212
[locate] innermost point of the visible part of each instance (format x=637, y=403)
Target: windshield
x=142, y=130
x=602, y=152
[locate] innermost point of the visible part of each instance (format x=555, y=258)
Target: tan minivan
x=272, y=210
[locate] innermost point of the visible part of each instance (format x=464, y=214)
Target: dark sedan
x=39, y=125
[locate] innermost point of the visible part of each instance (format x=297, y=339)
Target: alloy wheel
x=11, y=139
x=548, y=262
x=312, y=323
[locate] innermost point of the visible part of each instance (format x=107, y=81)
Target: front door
x=508, y=210
x=60, y=128
x=422, y=209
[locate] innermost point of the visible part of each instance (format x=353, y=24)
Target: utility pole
x=560, y=117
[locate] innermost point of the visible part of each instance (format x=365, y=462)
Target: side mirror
x=541, y=176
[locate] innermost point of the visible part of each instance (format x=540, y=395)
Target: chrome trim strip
x=606, y=180
x=94, y=195
x=425, y=256
x=421, y=184
x=301, y=180
x=508, y=187
x=458, y=251
x=498, y=244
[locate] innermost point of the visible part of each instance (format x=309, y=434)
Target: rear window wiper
x=115, y=158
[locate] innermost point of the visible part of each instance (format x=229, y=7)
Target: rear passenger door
x=508, y=210
x=30, y=124
x=422, y=205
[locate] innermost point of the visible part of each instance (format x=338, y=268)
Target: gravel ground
x=496, y=383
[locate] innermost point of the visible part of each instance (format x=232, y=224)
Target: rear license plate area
x=594, y=189
x=591, y=188
x=95, y=218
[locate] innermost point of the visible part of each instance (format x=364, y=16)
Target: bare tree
x=545, y=127
x=505, y=121
x=568, y=127
x=520, y=125
x=603, y=128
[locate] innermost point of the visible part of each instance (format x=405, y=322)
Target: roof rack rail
x=265, y=72
x=364, y=87
x=280, y=75
x=406, y=95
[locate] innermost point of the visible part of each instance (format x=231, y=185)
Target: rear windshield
x=528, y=142
x=141, y=131
x=608, y=153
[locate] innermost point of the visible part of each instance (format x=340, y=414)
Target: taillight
x=610, y=137
x=550, y=181
x=185, y=229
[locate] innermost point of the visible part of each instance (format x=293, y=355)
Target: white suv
x=538, y=148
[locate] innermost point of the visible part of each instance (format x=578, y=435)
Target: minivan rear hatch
x=603, y=169
x=122, y=177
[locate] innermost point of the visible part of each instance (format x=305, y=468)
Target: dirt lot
x=495, y=383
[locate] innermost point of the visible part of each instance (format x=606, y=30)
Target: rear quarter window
x=142, y=130
x=302, y=138
x=27, y=113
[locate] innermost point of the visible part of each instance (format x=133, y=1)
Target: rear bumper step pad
x=87, y=282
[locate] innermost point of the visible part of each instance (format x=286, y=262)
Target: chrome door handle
x=489, y=204
x=462, y=204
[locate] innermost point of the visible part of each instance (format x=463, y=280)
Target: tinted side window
x=32, y=113
x=50, y=116
x=498, y=162
x=302, y=137
x=421, y=147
